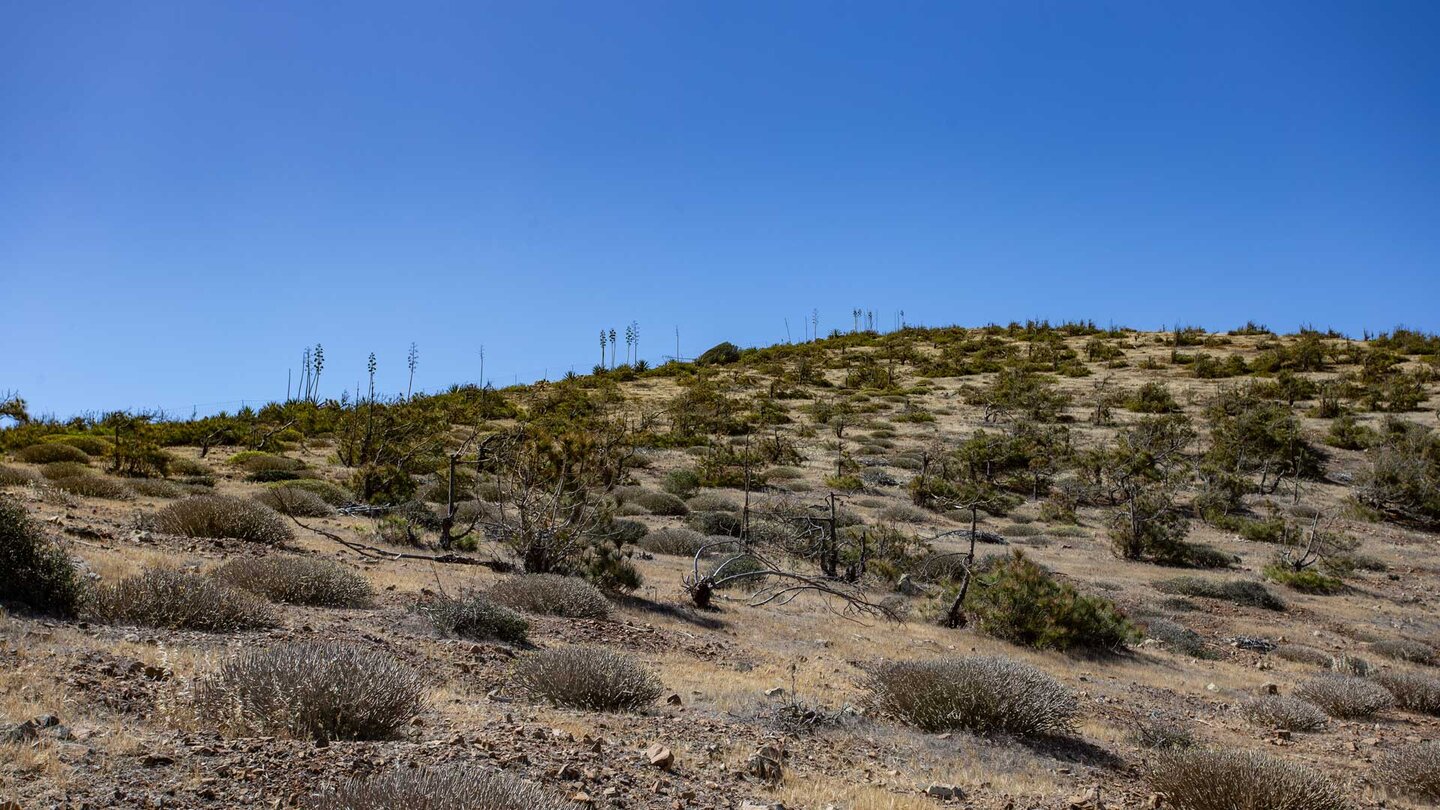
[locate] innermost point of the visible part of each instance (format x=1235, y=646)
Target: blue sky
x=192, y=192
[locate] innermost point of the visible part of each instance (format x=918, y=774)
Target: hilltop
x=1024, y=566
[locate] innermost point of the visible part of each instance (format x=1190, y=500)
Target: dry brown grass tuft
x=1240, y=780
x=1345, y=696
x=980, y=694
x=1413, y=691
x=439, y=789
x=322, y=691
x=1287, y=713
x=177, y=600
x=1413, y=771
x=588, y=677
x=222, y=516
x=298, y=581
x=551, y=595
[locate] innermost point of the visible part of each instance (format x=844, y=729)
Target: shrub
x=1152, y=397
x=298, y=581
x=1228, y=780
x=1237, y=591
x=1283, y=712
x=254, y=461
x=1307, y=581
x=905, y=513
x=156, y=488
x=90, y=445
x=222, y=516
x=551, y=595
x=34, y=570
x=64, y=469
x=681, y=483
x=662, y=503
x=1413, y=771
x=1345, y=696
x=1413, y=691
x=1301, y=654
x=1020, y=602
x=711, y=523
x=51, y=452
x=289, y=500
x=1159, y=734
x=621, y=532
x=1347, y=664
x=733, y=564
x=328, y=492
x=587, y=677
x=718, y=355
x=439, y=789
x=178, y=601
x=16, y=476
x=711, y=502
x=1177, y=638
x=475, y=617
x=323, y=691
x=676, y=541
x=978, y=694
x=93, y=485
x=1411, y=652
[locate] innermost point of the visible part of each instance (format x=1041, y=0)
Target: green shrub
x=93, y=446
x=552, y=595
x=1152, y=397
x=51, y=452
x=253, y=461
x=34, y=570
x=222, y=516
x=450, y=788
x=475, y=617
x=156, y=488
x=293, y=501
x=1306, y=581
x=587, y=677
x=1196, y=779
x=1413, y=691
x=979, y=694
x=719, y=355
x=1411, y=652
x=296, y=580
x=321, y=691
x=1283, y=712
x=731, y=565
x=64, y=469
x=1020, y=602
x=662, y=503
x=1345, y=696
x=621, y=532
x=178, y=601
x=383, y=484
x=1236, y=591
x=1413, y=771
x=681, y=483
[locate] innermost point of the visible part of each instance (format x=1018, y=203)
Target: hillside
x=1157, y=534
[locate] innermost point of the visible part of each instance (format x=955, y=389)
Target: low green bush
x=221, y=516
x=1020, y=602
x=34, y=571
x=1236, y=591
x=51, y=452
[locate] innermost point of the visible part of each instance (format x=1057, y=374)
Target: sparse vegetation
x=1411, y=652
x=450, y=788
x=587, y=677
x=1413, y=771
x=1195, y=779
x=1346, y=697
x=977, y=694
x=1285, y=713
x=474, y=616
x=177, y=600
x=222, y=516
x=298, y=581
x=551, y=595
x=1413, y=691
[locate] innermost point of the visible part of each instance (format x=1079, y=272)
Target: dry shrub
x=1240, y=780
x=17, y=476
x=255, y=461
x=179, y=601
x=551, y=595
x=981, y=694
x=1236, y=591
x=1347, y=664
x=1283, y=712
x=93, y=485
x=34, y=570
x=64, y=469
x=712, y=502
x=298, y=581
x=288, y=500
x=475, y=617
x=905, y=513
x=1413, y=771
x=1177, y=637
x=439, y=789
x=332, y=494
x=1411, y=652
x=588, y=677
x=1345, y=696
x=157, y=488
x=1413, y=691
x=323, y=691
x=1302, y=654
x=222, y=516
x=662, y=503
x=50, y=452
x=675, y=541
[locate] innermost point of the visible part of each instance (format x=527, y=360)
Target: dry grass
x=979, y=694
x=179, y=601
x=222, y=516
x=321, y=691
x=1240, y=780
x=1284, y=712
x=1345, y=696
x=588, y=677
x=551, y=595
x=439, y=789
x=298, y=581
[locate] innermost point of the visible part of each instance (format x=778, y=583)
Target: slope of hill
x=1024, y=566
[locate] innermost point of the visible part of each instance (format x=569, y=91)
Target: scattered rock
x=939, y=791
x=660, y=756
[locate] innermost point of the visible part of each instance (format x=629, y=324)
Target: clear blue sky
x=192, y=192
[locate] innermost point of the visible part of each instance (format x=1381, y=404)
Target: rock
x=17, y=732
x=765, y=763
x=660, y=756
x=1210, y=687
x=673, y=700
x=46, y=721
x=749, y=805
x=1270, y=689
x=775, y=691
x=939, y=791
x=567, y=772
x=909, y=587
